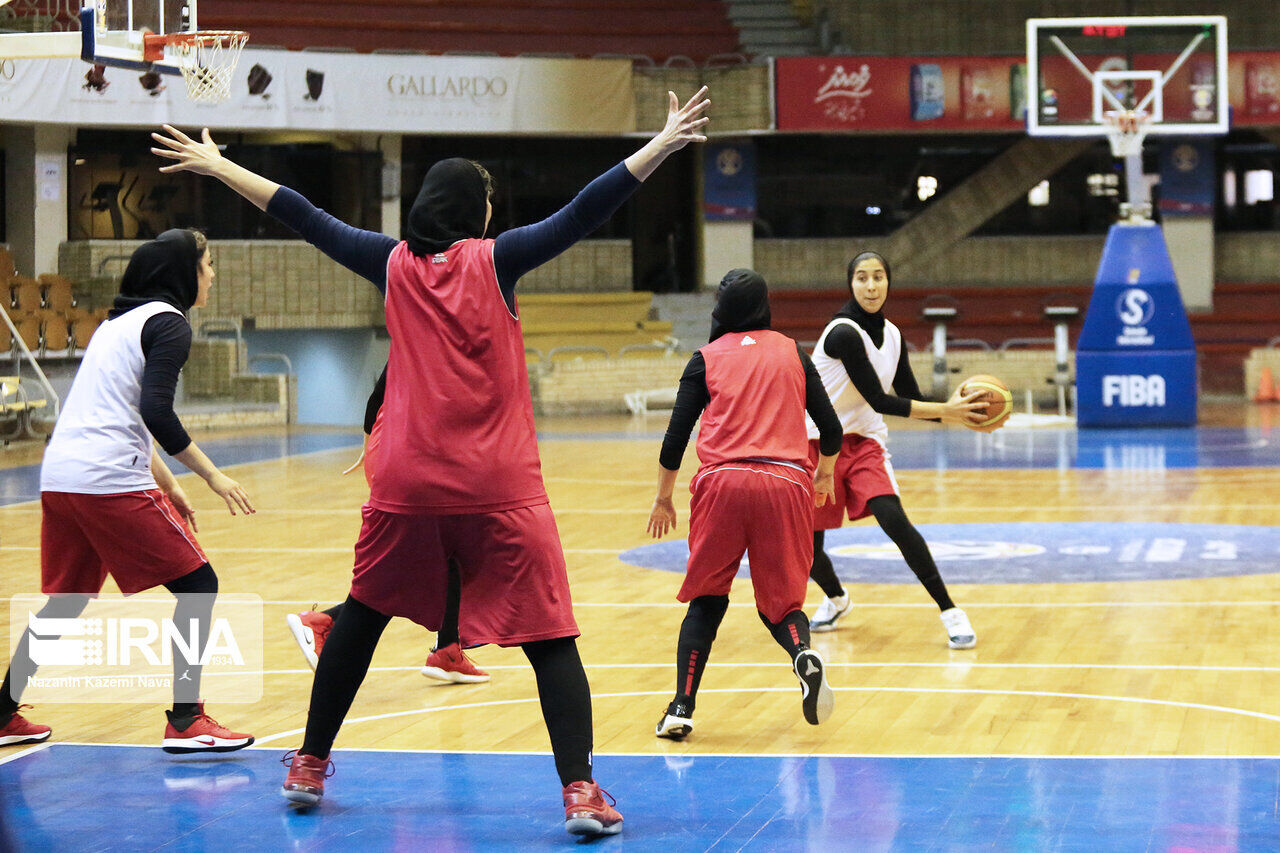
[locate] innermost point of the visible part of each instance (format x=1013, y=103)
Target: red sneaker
x=451, y=664
x=202, y=735
x=19, y=730
x=305, y=782
x=587, y=813
x=310, y=628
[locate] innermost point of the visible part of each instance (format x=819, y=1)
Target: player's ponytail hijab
x=872, y=324
x=742, y=304
x=450, y=207
x=161, y=270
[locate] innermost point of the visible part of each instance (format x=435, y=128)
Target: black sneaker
x=676, y=722
x=817, y=700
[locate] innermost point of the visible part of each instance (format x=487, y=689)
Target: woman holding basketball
x=861, y=359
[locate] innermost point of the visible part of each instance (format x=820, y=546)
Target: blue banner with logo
x=1187, y=179
x=1135, y=359
x=730, y=182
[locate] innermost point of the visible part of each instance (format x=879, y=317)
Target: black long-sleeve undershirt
x=694, y=396
x=166, y=344
x=844, y=342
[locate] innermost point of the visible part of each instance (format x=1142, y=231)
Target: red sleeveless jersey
x=757, y=386
x=455, y=434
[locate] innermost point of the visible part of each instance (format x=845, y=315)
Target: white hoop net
x=1126, y=129
x=208, y=61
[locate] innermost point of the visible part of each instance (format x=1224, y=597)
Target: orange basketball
x=997, y=397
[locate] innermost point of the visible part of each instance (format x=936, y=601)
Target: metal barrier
x=273, y=356
x=1024, y=342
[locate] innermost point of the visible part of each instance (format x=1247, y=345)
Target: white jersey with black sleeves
x=100, y=445
x=856, y=415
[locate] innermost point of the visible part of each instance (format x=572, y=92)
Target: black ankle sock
x=697, y=633
x=822, y=572
x=792, y=633
x=184, y=712
x=8, y=707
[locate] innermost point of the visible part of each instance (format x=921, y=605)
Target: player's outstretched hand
x=231, y=492
x=190, y=156
x=824, y=489
x=684, y=124
x=662, y=518
x=964, y=410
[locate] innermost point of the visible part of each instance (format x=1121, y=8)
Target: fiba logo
x=1185, y=158
x=1135, y=307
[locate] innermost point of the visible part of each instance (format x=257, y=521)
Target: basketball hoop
x=207, y=59
x=1126, y=129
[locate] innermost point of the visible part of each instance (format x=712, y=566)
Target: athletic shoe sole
x=187, y=746
x=305, y=639
x=590, y=826
x=817, y=700
x=674, y=728
x=962, y=642
x=14, y=740
x=451, y=677
x=300, y=797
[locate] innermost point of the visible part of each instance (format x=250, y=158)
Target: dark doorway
x=664, y=241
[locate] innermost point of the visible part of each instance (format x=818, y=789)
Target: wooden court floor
x=1157, y=667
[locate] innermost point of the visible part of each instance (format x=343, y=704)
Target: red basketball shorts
x=763, y=510
x=515, y=586
x=863, y=472
x=136, y=537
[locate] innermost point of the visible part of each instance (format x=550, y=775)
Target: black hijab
x=872, y=324
x=449, y=207
x=161, y=270
x=742, y=304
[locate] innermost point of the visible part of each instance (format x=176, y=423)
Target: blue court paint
x=1034, y=552
x=104, y=798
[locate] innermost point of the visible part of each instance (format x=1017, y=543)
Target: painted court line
x=961, y=691
x=5, y=759
x=956, y=664
x=718, y=756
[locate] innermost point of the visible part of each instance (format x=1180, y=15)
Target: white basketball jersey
x=100, y=445
x=856, y=415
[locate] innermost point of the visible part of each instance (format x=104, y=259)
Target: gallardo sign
x=343, y=91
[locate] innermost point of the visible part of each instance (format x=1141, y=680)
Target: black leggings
x=562, y=688
x=186, y=679
x=892, y=518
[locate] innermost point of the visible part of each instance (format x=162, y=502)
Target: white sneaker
x=960, y=633
x=829, y=613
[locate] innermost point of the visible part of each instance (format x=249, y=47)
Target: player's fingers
x=242, y=498
x=673, y=103
x=694, y=100
x=206, y=136
x=166, y=153
x=179, y=135
x=166, y=141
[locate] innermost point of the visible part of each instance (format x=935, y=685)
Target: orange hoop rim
x=153, y=45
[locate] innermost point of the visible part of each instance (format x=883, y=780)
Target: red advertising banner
x=987, y=94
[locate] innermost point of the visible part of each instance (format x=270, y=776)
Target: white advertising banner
x=349, y=92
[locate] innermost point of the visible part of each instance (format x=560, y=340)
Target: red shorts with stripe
x=863, y=472
x=136, y=537
x=515, y=586
x=760, y=509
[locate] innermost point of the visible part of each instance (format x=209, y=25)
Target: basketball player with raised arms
x=754, y=491
x=446, y=662
x=861, y=359
x=108, y=503
x=457, y=473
